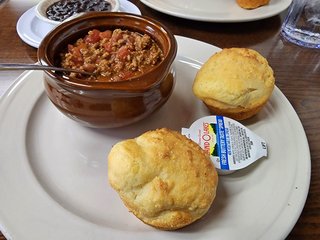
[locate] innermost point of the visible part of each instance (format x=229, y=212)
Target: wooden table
x=297, y=72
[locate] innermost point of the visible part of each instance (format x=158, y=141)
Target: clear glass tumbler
x=302, y=24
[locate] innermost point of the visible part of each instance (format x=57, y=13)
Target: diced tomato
x=131, y=40
x=116, y=36
x=89, y=67
x=126, y=75
x=70, y=47
x=93, y=36
x=108, y=47
x=76, y=55
x=75, y=51
x=77, y=61
x=106, y=34
x=123, y=53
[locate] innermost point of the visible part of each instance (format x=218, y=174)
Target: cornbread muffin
x=235, y=82
x=251, y=4
x=164, y=178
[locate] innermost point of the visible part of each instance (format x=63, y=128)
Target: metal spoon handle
x=22, y=66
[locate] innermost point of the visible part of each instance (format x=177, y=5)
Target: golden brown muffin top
x=251, y=4
x=164, y=178
x=235, y=77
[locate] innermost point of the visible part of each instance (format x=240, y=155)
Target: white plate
x=32, y=30
x=53, y=172
x=216, y=10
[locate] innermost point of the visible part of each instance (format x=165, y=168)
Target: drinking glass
x=302, y=24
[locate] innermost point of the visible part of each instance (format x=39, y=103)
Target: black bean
x=63, y=9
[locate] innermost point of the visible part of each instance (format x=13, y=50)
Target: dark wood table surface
x=297, y=72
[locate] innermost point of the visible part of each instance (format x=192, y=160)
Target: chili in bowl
x=130, y=58
x=112, y=55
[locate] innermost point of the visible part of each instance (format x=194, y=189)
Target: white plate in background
x=53, y=172
x=216, y=10
x=32, y=30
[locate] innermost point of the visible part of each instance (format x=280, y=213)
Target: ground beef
x=113, y=55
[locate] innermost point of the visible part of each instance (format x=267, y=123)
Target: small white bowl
x=43, y=5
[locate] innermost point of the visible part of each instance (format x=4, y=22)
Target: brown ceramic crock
x=108, y=104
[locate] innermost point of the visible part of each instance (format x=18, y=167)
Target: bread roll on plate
x=164, y=179
x=235, y=82
x=251, y=4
